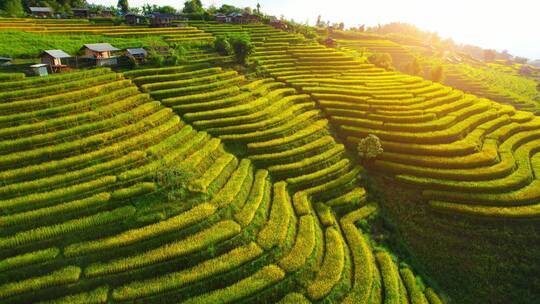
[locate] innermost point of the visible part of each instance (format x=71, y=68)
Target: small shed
x=102, y=53
x=138, y=54
x=41, y=12
x=161, y=20
x=5, y=60
x=134, y=19
x=40, y=69
x=82, y=13
x=53, y=58
x=222, y=18
x=243, y=18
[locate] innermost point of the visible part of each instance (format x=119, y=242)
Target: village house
x=137, y=54
x=41, y=12
x=102, y=53
x=222, y=18
x=134, y=19
x=242, y=18
x=82, y=13
x=166, y=20
x=53, y=58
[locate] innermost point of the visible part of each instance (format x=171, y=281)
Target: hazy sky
x=499, y=24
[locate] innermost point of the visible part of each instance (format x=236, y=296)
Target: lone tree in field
x=241, y=46
x=123, y=6
x=369, y=148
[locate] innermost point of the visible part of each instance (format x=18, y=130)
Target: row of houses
x=240, y=18
x=94, y=54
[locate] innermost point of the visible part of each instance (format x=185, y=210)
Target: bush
x=222, y=46
x=382, y=60
x=413, y=67
x=437, y=73
x=235, y=44
x=370, y=147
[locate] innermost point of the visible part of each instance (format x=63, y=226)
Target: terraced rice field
x=198, y=184
x=109, y=196
x=181, y=34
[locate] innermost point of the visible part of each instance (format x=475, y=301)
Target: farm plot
x=108, y=196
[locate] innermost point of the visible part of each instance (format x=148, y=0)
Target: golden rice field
x=199, y=183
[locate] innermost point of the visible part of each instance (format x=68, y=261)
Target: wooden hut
x=161, y=20
x=137, y=54
x=102, y=53
x=222, y=18
x=53, y=58
x=134, y=19
x=40, y=69
x=5, y=60
x=82, y=13
x=243, y=18
x=41, y=12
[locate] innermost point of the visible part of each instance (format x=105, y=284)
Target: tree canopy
x=12, y=8
x=123, y=6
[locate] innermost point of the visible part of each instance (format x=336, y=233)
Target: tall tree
x=319, y=22
x=258, y=8
x=123, y=6
x=193, y=7
x=12, y=8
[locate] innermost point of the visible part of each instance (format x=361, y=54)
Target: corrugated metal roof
x=100, y=47
x=5, y=59
x=35, y=9
x=137, y=51
x=57, y=54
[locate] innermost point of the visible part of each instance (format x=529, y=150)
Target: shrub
x=223, y=46
x=437, y=73
x=382, y=60
x=369, y=148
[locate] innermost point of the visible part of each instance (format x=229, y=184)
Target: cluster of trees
x=191, y=8
x=326, y=24
x=235, y=44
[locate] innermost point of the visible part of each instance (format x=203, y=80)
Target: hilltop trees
x=123, y=6
x=193, y=7
x=12, y=8
x=167, y=9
